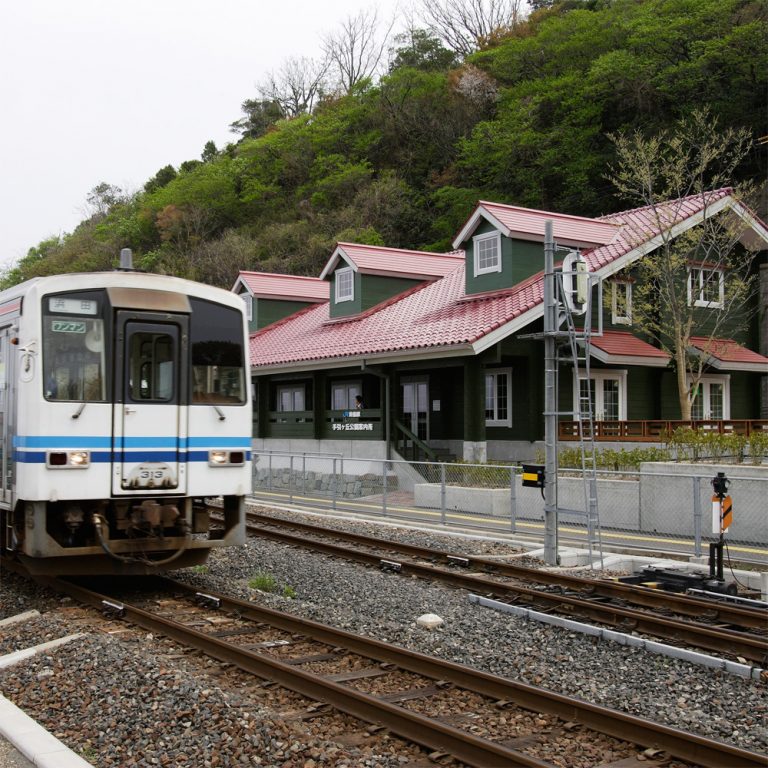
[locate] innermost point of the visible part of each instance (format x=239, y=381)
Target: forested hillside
x=401, y=160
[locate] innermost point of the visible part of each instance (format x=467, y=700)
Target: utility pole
x=550, y=399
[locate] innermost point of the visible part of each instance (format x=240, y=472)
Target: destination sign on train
x=73, y=306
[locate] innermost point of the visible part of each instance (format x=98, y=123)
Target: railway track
x=453, y=710
x=731, y=630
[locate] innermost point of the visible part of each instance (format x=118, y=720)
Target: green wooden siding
x=519, y=260
x=370, y=290
x=268, y=311
x=345, y=308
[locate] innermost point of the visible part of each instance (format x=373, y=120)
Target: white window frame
x=497, y=373
x=351, y=388
x=704, y=383
x=616, y=317
x=697, y=282
x=292, y=390
x=477, y=240
x=345, y=295
x=599, y=376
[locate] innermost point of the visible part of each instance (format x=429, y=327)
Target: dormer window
x=706, y=287
x=345, y=284
x=487, y=252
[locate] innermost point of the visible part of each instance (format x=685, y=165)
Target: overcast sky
x=111, y=90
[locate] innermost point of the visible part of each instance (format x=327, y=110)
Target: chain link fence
x=668, y=503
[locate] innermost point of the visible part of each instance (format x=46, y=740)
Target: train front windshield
x=77, y=355
x=74, y=358
x=218, y=370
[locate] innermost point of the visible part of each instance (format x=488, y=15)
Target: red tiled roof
x=640, y=225
x=431, y=317
x=618, y=346
x=528, y=224
x=377, y=260
x=278, y=286
x=439, y=316
x=727, y=353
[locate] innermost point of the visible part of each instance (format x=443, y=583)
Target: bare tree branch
x=467, y=25
x=356, y=50
x=296, y=86
x=696, y=283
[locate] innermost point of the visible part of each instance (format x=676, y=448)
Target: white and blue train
x=124, y=410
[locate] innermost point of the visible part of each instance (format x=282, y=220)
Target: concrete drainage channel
x=622, y=638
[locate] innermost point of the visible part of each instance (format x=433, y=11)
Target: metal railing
x=667, y=505
x=659, y=430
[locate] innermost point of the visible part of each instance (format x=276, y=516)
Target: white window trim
x=475, y=242
x=496, y=372
x=696, y=292
x=339, y=297
x=705, y=381
x=291, y=388
x=599, y=376
x=347, y=384
x=616, y=318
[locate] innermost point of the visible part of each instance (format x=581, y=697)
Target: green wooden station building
x=392, y=352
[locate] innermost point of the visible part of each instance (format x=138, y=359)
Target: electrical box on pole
x=576, y=283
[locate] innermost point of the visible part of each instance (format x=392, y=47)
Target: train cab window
x=74, y=358
x=218, y=357
x=152, y=367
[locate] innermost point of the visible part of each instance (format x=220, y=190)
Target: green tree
x=697, y=283
x=260, y=116
x=420, y=49
x=164, y=176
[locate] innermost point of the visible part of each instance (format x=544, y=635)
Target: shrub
x=264, y=582
x=758, y=446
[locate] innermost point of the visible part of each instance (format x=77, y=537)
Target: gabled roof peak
x=280, y=286
x=396, y=262
x=529, y=223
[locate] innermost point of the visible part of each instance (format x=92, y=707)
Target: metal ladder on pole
x=577, y=353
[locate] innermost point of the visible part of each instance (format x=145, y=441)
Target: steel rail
x=722, y=640
x=751, y=617
x=410, y=725
x=418, y=728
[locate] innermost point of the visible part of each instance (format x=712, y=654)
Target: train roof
x=120, y=279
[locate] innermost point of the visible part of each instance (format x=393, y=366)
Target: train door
x=7, y=395
x=149, y=415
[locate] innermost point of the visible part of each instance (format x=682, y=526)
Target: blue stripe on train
x=88, y=442
x=107, y=457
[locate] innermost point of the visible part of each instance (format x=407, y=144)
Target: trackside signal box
x=533, y=476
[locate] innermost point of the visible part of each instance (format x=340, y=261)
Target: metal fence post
x=384, y=484
x=290, y=479
x=303, y=474
x=269, y=481
x=335, y=483
x=697, y=516
x=512, y=500
x=442, y=494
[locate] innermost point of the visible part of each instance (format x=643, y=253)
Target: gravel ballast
x=142, y=708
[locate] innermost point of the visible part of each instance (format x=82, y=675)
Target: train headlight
x=226, y=458
x=68, y=459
